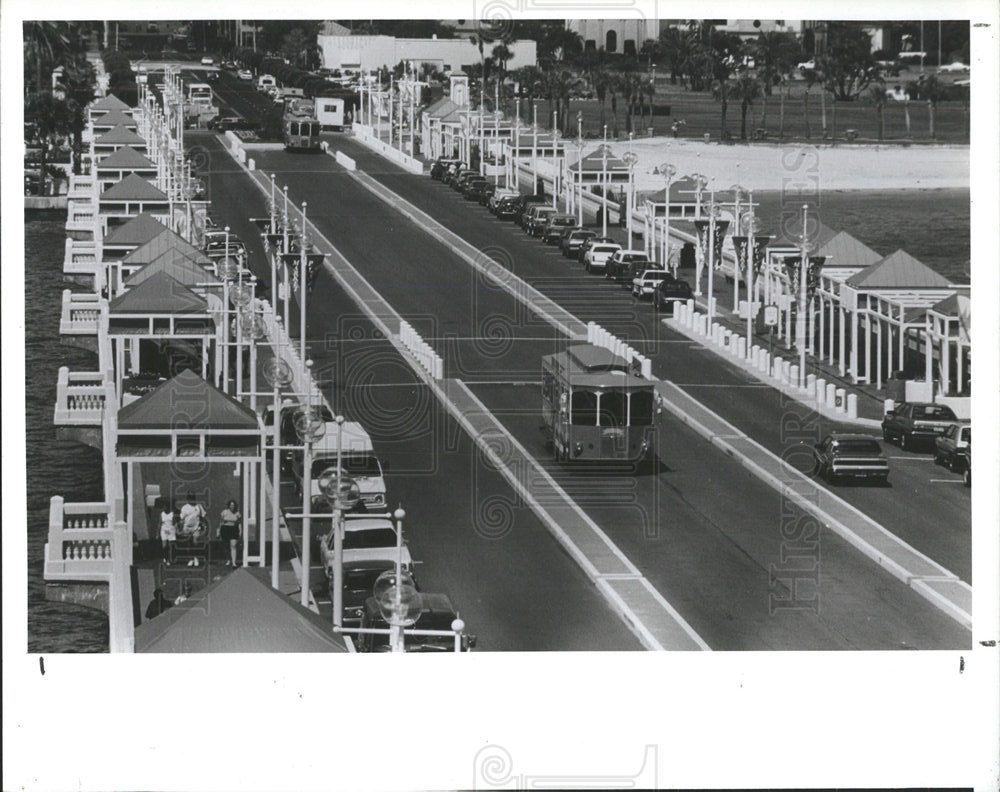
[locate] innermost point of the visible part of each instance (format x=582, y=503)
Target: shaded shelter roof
x=125, y=157
x=137, y=231
x=239, y=613
x=957, y=305
x=158, y=409
x=843, y=250
x=113, y=118
x=899, y=270
x=789, y=233
x=178, y=266
x=166, y=240
x=158, y=294
x=108, y=103
x=120, y=134
x=133, y=188
x=594, y=163
x=443, y=109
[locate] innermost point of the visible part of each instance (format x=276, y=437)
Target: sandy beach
x=799, y=166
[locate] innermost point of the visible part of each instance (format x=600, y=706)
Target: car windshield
x=603, y=249
x=933, y=412
x=859, y=446
x=368, y=539
x=363, y=580
x=360, y=465
x=655, y=274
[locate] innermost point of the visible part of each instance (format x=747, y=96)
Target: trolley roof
x=590, y=366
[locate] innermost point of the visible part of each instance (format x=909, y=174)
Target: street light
x=630, y=159
x=279, y=375
x=737, y=194
x=342, y=493
x=309, y=426
x=667, y=171
x=398, y=599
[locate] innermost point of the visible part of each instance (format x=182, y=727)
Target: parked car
x=645, y=283
x=366, y=538
x=464, y=178
x=499, y=195
x=486, y=193
x=554, y=226
x=244, y=74
x=440, y=167
x=506, y=208
x=597, y=256
x=915, y=421
x=473, y=188
x=223, y=123
x=573, y=240
x=957, y=67
x=436, y=613
x=620, y=265
x=208, y=60
x=966, y=456
x=359, y=580
x=524, y=202
x=537, y=219
x=842, y=455
x=669, y=291
x=947, y=446
x=589, y=243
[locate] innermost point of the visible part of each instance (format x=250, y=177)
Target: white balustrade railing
x=79, y=543
x=80, y=398
x=80, y=314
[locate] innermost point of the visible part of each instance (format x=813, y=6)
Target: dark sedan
x=669, y=291
x=841, y=455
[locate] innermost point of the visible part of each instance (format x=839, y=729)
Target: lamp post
x=279, y=374
x=700, y=183
x=579, y=168
x=668, y=172
x=398, y=599
x=737, y=194
x=800, y=319
x=310, y=428
x=302, y=287
x=630, y=160
x=534, y=147
x=284, y=266
x=555, y=160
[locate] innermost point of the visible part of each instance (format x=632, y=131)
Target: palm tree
x=745, y=89
x=49, y=118
x=601, y=83
x=677, y=47
x=501, y=55
x=78, y=82
x=931, y=89
x=811, y=79
x=44, y=44
x=878, y=95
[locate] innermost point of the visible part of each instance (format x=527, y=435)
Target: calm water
x=53, y=467
x=932, y=225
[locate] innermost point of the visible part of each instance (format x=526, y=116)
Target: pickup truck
x=913, y=421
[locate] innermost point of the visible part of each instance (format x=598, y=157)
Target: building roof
x=957, y=305
x=897, y=271
x=108, y=103
x=155, y=247
x=124, y=158
x=442, y=108
x=178, y=266
x=331, y=28
x=789, y=233
x=114, y=118
x=594, y=162
x=120, y=134
x=137, y=231
x=158, y=294
x=133, y=188
x=158, y=409
x=843, y=250
x=246, y=615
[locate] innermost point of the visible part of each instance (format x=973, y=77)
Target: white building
x=366, y=53
x=615, y=35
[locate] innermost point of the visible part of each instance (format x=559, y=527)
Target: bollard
x=840, y=402
x=647, y=368
x=831, y=395
x=852, y=405
x=890, y=404
x=741, y=348
x=591, y=327
x=793, y=375
x=251, y=165
x=820, y=390
x=811, y=383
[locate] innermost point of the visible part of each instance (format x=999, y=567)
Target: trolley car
x=595, y=408
x=301, y=127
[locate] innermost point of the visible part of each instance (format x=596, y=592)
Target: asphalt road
x=704, y=531
x=925, y=505
x=517, y=590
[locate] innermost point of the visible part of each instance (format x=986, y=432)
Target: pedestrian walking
x=229, y=529
x=168, y=530
x=194, y=522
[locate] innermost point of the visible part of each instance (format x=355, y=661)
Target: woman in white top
x=168, y=532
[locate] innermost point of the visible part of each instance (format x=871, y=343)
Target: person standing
x=168, y=531
x=229, y=529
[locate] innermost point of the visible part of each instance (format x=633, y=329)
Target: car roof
x=851, y=436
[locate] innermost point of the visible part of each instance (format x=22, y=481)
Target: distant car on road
x=914, y=421
x=597, y=257
x=948, y=447
x=208, y=60
x=957, y=67
x=573, y=240
x=245, y=74
x=440, y=166
x=588, y=243
x=669, y=291
x=621, y=265
x=506, y=208
x=809, y=65
x=841, y=455
x=645, y=283
x=555, y=225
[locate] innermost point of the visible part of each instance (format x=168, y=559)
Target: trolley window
x=613, y=408
x=642, y=411
x=584, y=408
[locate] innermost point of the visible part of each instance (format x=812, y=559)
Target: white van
x=358, y=460
x=265, y=82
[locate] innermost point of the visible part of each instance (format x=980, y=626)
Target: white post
x=800, y=323
x=711, y=255
x=338, y=537
x=534, y=148
x=307, y=492
x=302, y=287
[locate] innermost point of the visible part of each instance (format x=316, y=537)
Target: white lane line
x=947, y=481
